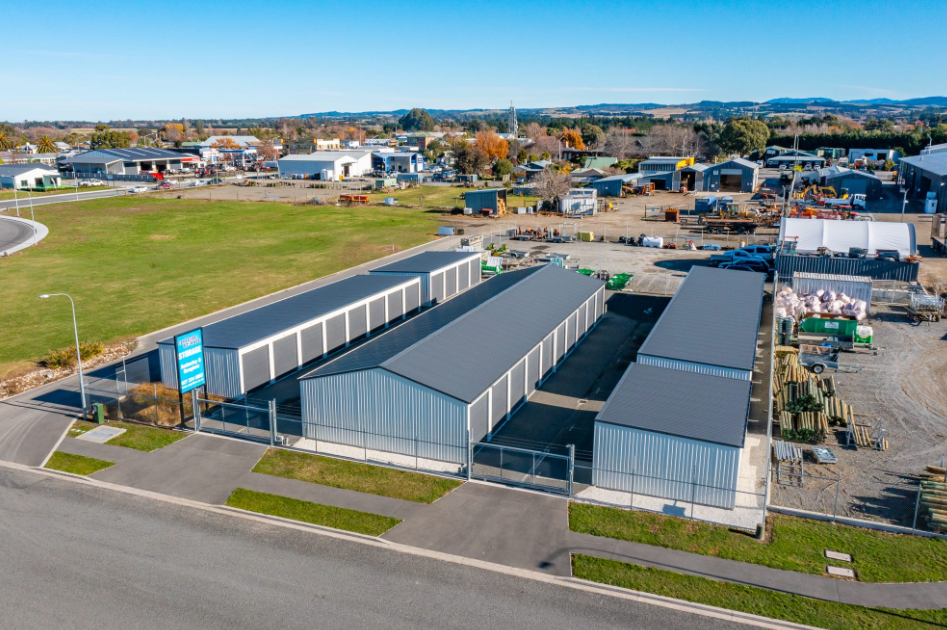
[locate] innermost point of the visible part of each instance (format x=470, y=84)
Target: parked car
x=165, y=186
x=138, y=189
x=763, y=251
x=807, y=167
x=710, y=247
x=783, y=167
x=750, y=265
x=92, y=182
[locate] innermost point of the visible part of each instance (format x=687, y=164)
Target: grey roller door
x=601, y=302
x=479, y=419
x=437, y=287
x=463, y=276
x=474, y=272
x=256, y=368
x=517, y=383
x=560, y=341
x=376, y=314
x=335, y=332
x=547, y=354
x=570, y=331
x=451, y=277
x=395, y=306
x=285, y=355
x=312, y=342
x=532, y=372
x=358, y=323
x=583, y=319
x=500, y=405
x=412, y=298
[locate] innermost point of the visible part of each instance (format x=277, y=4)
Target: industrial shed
x=253, y=348
x=673, y=434
x=490, y=199
x=736, y=175
x=326, y=165
x=710, y=326
x=454, y=373
x=612, y=186
x=925, y=175
x=855, y=182
x=442, y=274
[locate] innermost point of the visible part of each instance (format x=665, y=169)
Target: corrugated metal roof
x=9, y=170
x=741, y=162
x=935, y=163
x=712, y=319
x=98, y=156
x=683, y=404
x=375, y=352
x=324, y=156
x=427, y=262
x=627, y=177
x=465, y=356
x=248, y=328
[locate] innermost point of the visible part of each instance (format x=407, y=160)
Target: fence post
x=838, y=484
x=917, y=505
x=156, y=402
x=272, y=406
x=196, y=410
x=571, y=468
x=469, y=460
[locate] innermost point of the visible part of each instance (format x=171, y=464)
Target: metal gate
x=540, y=470
x=247, y=421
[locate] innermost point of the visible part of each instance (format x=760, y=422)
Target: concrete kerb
x=41, y=232
x=591, y=587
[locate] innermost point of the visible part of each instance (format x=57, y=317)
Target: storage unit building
x=673, y=434
x=456, y=372
x=736, y=175
x=488, y=199
x=710, y=326
x=443, y=274
x=253, y=348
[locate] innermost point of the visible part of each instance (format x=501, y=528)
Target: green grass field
x=76, y=464
x=755, y=601
x=796, y=544
x=141, y=264
x=442, y=197
x=136, y=436
x=315, y=513
x=398, y=484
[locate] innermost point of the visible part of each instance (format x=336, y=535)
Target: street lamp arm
x=75, y=328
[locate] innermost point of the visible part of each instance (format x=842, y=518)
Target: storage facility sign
x=189, y=348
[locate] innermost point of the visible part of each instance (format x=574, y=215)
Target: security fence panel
x=313, y=348
x=256, y=367
x=285, y=355
x=335, y=332
x=539, y=470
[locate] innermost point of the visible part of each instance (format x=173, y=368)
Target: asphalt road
x=13, y=233
x=24, y=202
x=77, y=556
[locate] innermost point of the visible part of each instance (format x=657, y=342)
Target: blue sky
x=109, y=59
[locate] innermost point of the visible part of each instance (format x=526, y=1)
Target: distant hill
x=798, y=101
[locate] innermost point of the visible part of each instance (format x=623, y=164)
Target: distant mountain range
x=940, y=101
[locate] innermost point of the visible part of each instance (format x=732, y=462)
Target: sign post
x=189, y=355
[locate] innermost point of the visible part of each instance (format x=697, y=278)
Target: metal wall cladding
x=222, y=366
x=285, y=355
x=412, y=297
x=500, y=404
x=517, y=383
x=654, y=464
x=787, y=265
x=169, y=369
x=463, y=276
x=700, y=368
x=335, y=332
x=450, y=280
x=437, y=287
x=376, y=314
x=256, y=367
x=358, y=322
x=480, y=418
x=852, y=286
x=548, y=357
x=532, y=372
x=378, y=410
x=395, y=305
x=560, y=345
x=313, y=347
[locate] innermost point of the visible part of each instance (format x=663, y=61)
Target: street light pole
x=904, y=204
x=75, y=329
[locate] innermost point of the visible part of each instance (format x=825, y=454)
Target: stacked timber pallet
x=933, y=498
x=805, y=405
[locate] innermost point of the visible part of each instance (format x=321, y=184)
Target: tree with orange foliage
x=492, y=145
x=573, y=138
x=226, y=144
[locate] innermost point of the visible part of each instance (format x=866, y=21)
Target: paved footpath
x=511, y=527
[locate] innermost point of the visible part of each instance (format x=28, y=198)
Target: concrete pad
x=199, y=467
x=101, y=435
x=105, y=452
x=511, y=527
x=844, y=572
x=837, y=555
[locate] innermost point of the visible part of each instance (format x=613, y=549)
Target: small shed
x=443, y=274
x=410, y=178
x=385, y=182
x=736, y=175
x=492, y=199
x=612, y=186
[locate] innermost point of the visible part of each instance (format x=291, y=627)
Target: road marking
x=570, y=582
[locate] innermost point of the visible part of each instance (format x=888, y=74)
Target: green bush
x=66, y=357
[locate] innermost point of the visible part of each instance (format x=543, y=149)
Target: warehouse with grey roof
x=443, y=274
x=674, y=426
x=454, y=373
x=256, y=347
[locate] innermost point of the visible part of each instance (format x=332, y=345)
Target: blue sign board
x=190, y=355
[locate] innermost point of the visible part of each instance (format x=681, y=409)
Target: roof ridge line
x=386, y=362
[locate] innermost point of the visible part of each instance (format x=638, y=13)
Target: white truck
x=855, y=201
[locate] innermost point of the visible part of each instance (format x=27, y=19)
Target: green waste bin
x=98, y=413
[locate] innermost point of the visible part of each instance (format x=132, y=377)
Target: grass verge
x=315, y=513
x=76, y=464
x=25, y=199
x=748, y=599
x=795, y=544
x=338, y=473
x=135, y=264
x=136, y=436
